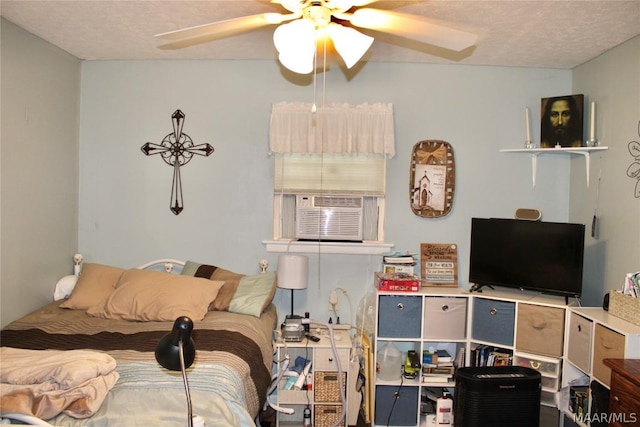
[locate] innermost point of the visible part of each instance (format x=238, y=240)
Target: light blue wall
x=39, y=196
x=612, y=81
x=124, y=195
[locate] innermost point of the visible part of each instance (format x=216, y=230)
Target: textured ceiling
x=541, y=33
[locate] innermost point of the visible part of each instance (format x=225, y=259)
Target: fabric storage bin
x=493, y=321
x=580, y=334
x=445, y=318
x=399, y=316
x=540, y=329
x=404, y=406
x=607, y=344
x=327, y=415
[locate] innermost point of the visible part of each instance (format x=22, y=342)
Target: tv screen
x=533, y=255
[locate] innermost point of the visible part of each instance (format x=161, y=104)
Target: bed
x=121, y=315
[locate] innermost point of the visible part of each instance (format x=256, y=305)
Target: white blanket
x=45, y=383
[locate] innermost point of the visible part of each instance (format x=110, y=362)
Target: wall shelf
x=535, y=152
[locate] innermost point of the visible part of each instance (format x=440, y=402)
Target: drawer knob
x=400, y=306
x=616, y=398
x=493, y=311
x=331, y=359
x=445, y=307
x=579, y=328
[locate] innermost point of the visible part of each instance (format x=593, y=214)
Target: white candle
x=592, y=125
x=526, y=118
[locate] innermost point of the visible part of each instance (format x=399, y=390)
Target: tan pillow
x=144, y=295
x=95, y=283
x=231, y=281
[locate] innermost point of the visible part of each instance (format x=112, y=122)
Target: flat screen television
x=534, y=255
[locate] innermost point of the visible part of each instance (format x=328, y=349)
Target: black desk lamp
x=176, y=351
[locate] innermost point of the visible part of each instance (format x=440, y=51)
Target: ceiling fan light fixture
x=296, y=45
x=349, y=43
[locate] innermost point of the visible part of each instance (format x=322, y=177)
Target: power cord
x=396, y=396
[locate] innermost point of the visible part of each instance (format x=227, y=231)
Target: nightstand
x=320, y=391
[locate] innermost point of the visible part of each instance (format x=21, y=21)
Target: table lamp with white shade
x=293, y=271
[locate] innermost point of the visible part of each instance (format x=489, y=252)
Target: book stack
x=437, y=366
x=398, y=262
x=486, y=355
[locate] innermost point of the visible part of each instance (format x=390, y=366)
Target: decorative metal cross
x=176, y=150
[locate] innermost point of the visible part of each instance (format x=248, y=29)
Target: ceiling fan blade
x=412, y=27
x=221, y=29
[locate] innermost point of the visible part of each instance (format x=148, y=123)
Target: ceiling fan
x=311, y=19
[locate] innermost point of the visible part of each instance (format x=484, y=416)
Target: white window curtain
x=334, y=128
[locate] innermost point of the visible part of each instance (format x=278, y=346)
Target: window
x=343, y=179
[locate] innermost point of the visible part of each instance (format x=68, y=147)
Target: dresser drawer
x=540, y=329
x=580, y=335
x=325, y=361
x=399, y=316
x=624, y=395
x=606, y=344
x=493, y=321
x=445, y=318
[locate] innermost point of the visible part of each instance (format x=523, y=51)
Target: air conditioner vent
x=329, y=217
x=337, y=202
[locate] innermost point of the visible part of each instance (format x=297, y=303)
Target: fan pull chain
x=315, y=74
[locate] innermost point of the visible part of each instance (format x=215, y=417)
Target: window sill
x=364, y=248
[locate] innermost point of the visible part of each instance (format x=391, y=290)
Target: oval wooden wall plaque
x=432, y=180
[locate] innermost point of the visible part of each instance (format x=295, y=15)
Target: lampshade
x=293, y=271
x=168, y=349
x=296, y=45
x=350, y=44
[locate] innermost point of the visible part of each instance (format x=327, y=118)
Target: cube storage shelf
x=566, y=344
x=592, y=336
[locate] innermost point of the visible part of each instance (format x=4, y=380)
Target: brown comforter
x=240, y=342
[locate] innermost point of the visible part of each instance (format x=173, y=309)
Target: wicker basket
x=327, y=415
x=625, y=307
x=325, y=386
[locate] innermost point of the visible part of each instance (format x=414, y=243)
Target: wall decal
x=633, y=171
x=177, y=149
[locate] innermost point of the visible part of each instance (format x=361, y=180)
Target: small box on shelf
x=398, y=282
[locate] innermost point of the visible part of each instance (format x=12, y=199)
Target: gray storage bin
x=399, y=316
x=493, y=321
x=445, y=318
x=405, y=409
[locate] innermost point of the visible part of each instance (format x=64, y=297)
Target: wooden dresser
x=624, y=401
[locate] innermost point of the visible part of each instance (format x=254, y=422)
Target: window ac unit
x=329, y=217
